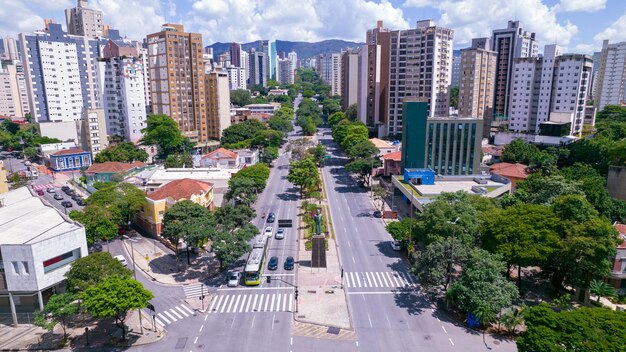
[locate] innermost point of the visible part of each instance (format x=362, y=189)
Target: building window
x=25, y=268
x=16, y=268
x=60, y=260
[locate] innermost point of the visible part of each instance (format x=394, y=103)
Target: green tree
x=364, y=149
x=543, y=162
x=60, y=309
x=330, y=106
x=281, y=124
x=270, y=154
x=304, y=174
x=308, y=125
x=512, y=319
x=402, y=230
x=379, y=194
x=454, y=97
x=601, y=289
x=162, y=131
x=582, y=329
x=122, y=201
x=178, y=160
x=240, y=97
x=340, y=130
x=356, y=132
x=267, y=138
x=573, y=207
x=308, y=93
x=114, y=297
x=519, y=151
x=241, y=131
x=88, y=271
x=612, y=113
x=228, y=249
x=242, y=190
x=351, y=112
x=435, y=262
x=125, y=152
x=539, y=189
x=259, y=173
x=524, y=234
x=363, y=168
x=318, y=152
x=334, y=119
x=482, y=285
x=187, y=221
x=231, y=218
x=97, y=221
x=31, y=152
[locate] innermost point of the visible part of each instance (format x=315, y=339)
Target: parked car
x=51, y=190
x=66, y=204
x=76, y=197
x=39, y=192
x=377, y=214
x=70, y=192
x=289, y=263
x=64, y=188
x=58, y=196
x=269, y=230
x=273, y=263
x=280, y=233
x=121, y=259
x=271, y=217
x=234, y=278
x=27, y=163
x=81, y=202
x=396, y=245
x=34, y=173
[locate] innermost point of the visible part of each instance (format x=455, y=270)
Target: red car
x=39, y=192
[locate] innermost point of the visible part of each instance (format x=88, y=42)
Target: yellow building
x=4, y=185
x=151, y=216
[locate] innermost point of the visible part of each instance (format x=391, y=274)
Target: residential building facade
x=285, y=71
x=257, y=64
x=349, y=77
x=72, y=159
x=610, y=86
x=84, y=21
x=177, y=79
x=13, y=91
x=93, y=132
x=10, y=49
x=236, y=77
x=235, y=54
x=329, y=68
x=217, y=103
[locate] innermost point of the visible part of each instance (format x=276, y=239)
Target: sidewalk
x=101, y=334
x=160, y=263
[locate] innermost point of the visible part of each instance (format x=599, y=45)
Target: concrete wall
x=616, y=182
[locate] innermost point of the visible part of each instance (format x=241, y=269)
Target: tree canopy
x=125, y=152
x=90, y=270
x=241, y=132
x=163, y=131
x=304, y=174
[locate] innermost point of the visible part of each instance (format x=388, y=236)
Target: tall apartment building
x=373, y=94
x=477, y=81
x=257, y=65
x=13, y=92
x=549, y=90
x=268, y=47
x=349, y=77
x=84, y=21
x=217, y=99
x=122, y=72
x=10, y=49
x=285, y=71
x=610, y=86
x=235, y=54
x=177, y=79
x=456, y=69
x=244, y=59
x=92, y=131
x=223, y=59
x=236, y=77
x=420, y=66
x=61, y=74
x=511, y=42
x=293, y=56
x=329, y=68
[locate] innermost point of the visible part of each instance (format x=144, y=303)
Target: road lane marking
x=195, y=340
x=444, y=329
x=273, y=320
x=201, y=327
x=253, y=318
x=291, y=343
x=451, y=341
x=353, y=260
x=225, y=303
x=163, y=318
x=372, y=293
x=272, y=304
x=206, y=317
x=370, y=319
x=187, y=309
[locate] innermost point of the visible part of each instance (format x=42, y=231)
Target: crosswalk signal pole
x=202, y=295
x=296, y=297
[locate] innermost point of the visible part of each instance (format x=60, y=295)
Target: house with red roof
x=150, y=218
x=220, y=158
x=391, y=164
x=102, y=172
x=618, y=273
x=514, y=172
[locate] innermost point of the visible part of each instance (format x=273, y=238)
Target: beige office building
x=83, y=21
x=477, y=81
x=349, y=77
x=177, y=79
x=217, y=102
x=13, y=92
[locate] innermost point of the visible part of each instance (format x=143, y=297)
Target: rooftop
x=181, y=189
x=395, y=156
x=25, y=219
x=69, y=151
x=379, y=143
x=114, y=166
x=516, y=170
x=216, y=154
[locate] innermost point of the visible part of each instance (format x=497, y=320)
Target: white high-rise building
x=10, y=48
x=610, y=85
x=122, y=74
x=285, y=71
x=236, y=77
x=61, y=72
x=83, y=21
x=293, y=56
x=245, y=63
x=13, y=93
x=329, y=68
x=551, y=89
x=420, y=66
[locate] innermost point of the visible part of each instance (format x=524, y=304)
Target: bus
x=256, y=259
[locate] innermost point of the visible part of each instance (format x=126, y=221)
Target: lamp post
x=449, y=281
x=132, y=255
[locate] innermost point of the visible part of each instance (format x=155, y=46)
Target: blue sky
x=578, y=25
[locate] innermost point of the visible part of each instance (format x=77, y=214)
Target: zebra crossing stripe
x=290, y=301
x=173, y=311
x=254, y=304
x=368, y=279
x=267, y=301
x=159, y=322
x=187, y=309
x=225, y=303
x=169, y=315
x=243, y=303
x=379, y=279
x=164, y=318
x=181, y=311
x=358, y=280
x=214, y=302
x=382, y=275
x=236, y=304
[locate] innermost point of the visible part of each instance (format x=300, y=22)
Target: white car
x=233, y=279
x=280, y=233
x=396, y=245
x=269, y=230
x=121, y=259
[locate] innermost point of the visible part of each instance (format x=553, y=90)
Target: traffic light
x=269, y=279
x=296, y=294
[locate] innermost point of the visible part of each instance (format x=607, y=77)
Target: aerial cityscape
x=358, y=175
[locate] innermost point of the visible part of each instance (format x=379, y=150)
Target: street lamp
x=132, y=255
x=449, y=281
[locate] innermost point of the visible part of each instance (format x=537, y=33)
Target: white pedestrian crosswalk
x=196, y=290
x=42, y=187
x=378, y=279
x=173, y=315
x=251, y=303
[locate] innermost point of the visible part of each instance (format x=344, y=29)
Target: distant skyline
x=578, y=25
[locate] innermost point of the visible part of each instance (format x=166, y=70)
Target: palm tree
x=512, y=319
x=485, y=315
x=601, y=289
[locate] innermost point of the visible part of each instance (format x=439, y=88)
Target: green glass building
x=448, y=146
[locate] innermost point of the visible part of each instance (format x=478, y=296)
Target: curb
x=145, y=272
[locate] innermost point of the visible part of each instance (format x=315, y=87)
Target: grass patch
x=308, y=245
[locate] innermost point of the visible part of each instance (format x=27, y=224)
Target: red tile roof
x=621, y=228
x=395, y=156
x=510, y=170
x=214, y=154
x=493, y=150
x=181, y=189
x=69, y=151
x=114, y=166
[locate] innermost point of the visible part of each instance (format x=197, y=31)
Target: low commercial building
x=105, y=172
x=247, y=157
x=68, y=160
x=263, y=108
x=150, y=218
x=37, y=246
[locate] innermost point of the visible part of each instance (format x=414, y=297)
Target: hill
x=304, y=49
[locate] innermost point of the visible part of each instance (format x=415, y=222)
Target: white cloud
x=616, y=32
x=17, y=17
x=134, y=18
x=477, y=18
x=304, y=20
x=580, y=5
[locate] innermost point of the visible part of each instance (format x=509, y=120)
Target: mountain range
x=304, y=49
